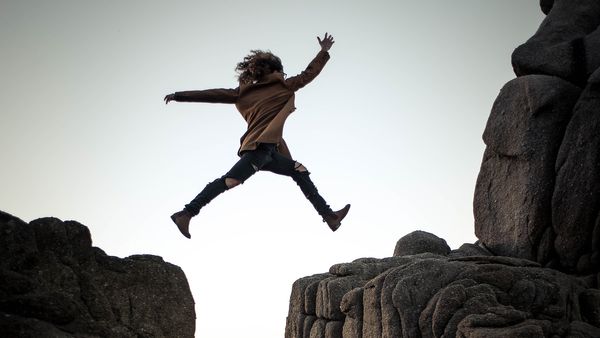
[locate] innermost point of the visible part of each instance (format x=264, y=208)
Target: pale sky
x=392, y=125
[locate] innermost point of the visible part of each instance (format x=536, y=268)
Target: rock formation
x=535, y=270
x=466, y=292
x=538, y=192
x=55, y=284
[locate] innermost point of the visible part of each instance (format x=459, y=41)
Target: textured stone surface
x=318, y=298
x=352, y=307
x=419, y=242
x=55, y=284
x=431, y=295
x=468, y=249
x=564, y=45
x=466, y=293
x=513, y=194
x=576, y=200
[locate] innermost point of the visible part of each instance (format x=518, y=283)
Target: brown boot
x=182, y=220
x=335, y=220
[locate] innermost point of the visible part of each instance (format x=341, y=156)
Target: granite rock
x=513, y=193
x=56, y=284
x=566, y=43
x=576, y=198
x=418, y=242
x=535, y=269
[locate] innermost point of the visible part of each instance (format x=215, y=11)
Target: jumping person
x=265, y=98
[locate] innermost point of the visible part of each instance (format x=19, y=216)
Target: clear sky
x=392, y=125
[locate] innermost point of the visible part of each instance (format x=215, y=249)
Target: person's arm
x=220, y=95
x=314, y=67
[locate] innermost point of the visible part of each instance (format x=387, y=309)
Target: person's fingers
x=318, y=38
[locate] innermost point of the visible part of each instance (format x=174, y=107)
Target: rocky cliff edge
x=54, y=283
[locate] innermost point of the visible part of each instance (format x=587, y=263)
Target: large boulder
x=576, y=200
x=420, y=242
x=56, y=284
x=513, y=193
x=566, y=44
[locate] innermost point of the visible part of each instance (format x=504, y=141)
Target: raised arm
x=314, y=67
x=220, y=95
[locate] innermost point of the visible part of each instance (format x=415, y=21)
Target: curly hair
x=251, y=68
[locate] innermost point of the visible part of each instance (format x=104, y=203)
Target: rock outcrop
x=535, y=270
x=513, y=194
x=466, y=292
x=54, y=283
x=538, y=192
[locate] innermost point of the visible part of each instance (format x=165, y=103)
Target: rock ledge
x=56, y=284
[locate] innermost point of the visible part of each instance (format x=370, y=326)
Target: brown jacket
x=265, y=105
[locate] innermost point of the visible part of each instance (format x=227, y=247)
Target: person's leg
x=284, y=166
x=247, y=165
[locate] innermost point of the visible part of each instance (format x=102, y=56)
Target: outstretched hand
x=169, y=97
x=326, y=43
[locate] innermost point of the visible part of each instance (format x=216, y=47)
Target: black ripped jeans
x=265, y=157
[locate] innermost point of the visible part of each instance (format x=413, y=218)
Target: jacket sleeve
x=313, y=69
x=220, y=95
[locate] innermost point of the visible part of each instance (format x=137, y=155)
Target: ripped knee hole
x=231, y=182
x=300, y=167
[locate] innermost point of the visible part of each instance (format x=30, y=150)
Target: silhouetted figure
x=265, y=98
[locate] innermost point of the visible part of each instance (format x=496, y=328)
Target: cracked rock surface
x=463, y=293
